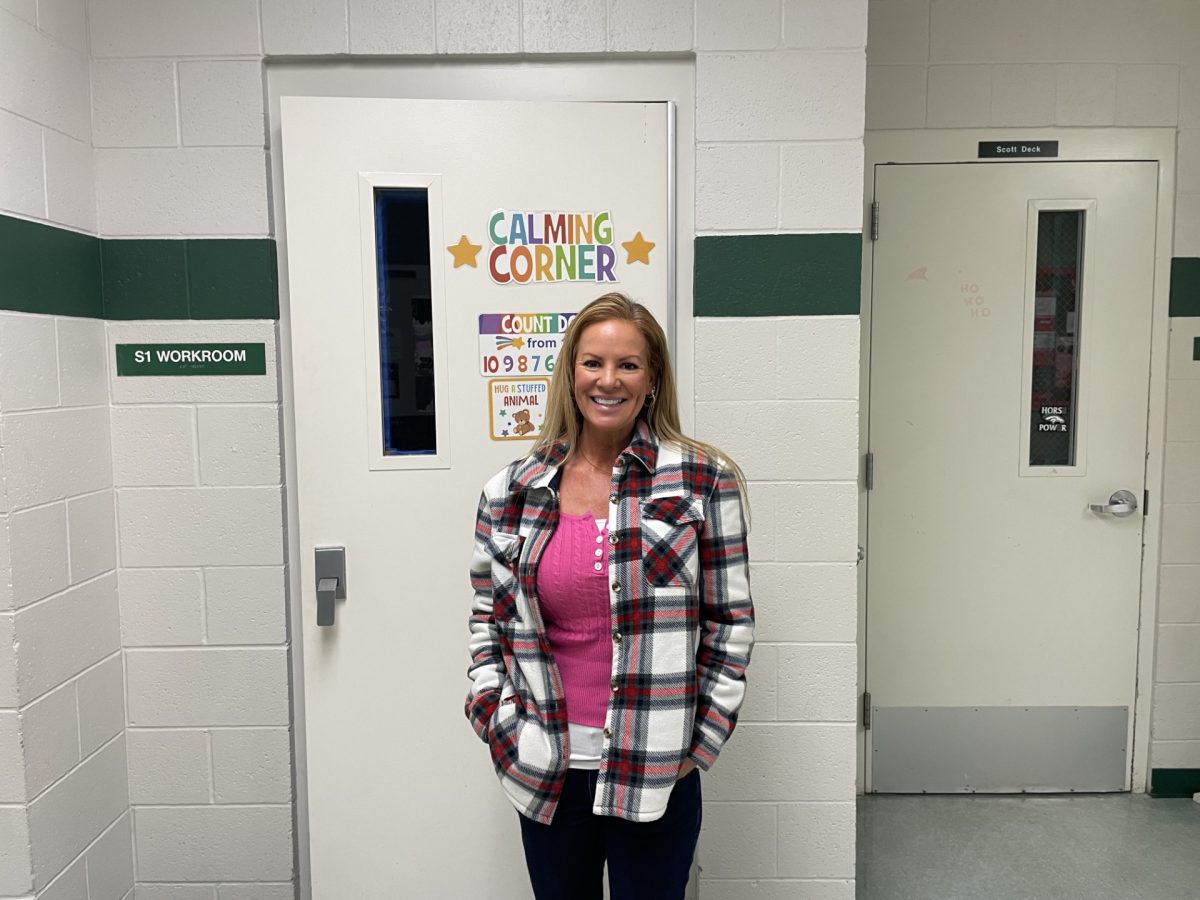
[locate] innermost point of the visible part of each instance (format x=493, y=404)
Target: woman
x=612, y=622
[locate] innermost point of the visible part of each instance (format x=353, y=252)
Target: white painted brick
x=1187, y=176
x=123, y=28
x=12, y=759
x=133, y=103
x=28, y=362
x=50, y=732
x=250, y=388
x=1179, y=594
x=1023, y=95
x=1148, y=95
x=896, y=96
x=70, y=884
x=42, y=455
x=16, y=874
x=1086, y=95
x=737, y=840
x=69, y=816
x=959, y=96
x=304, y=27
x=563, y=26
x=62, y=636
x=1178, y=653
x=256, y=891
x=1181, y=472
x=110, y=862
x=101, y=693
x=1181, y=533
x=776, y=890
x=762, y=537
x=784, y=439
x=1183, y=410
x=70, y=182
x=822, y=186
x=737, y=187
x=162, y=607
x=804, y=602
x=1175, y=754
x=218, y=843
x=25, y=10
x=739, y=356
x=782, y=96
x=642, y=27
x=762, y=685
x=819, y=358
x=82, y=374
x=381, y=26
x=976, y=31
x=22, y=180
x=201, y=526
x=66, y=21
x=246, y=605
x=239, y=445
x=168, y=766
x=477, y=26
x=38, y=545
x=175, y=892
x=8, y=664
x=1187, y=224
x=182, y=192
x=817, y=522
x=1189, y=94
x=221, y=103
x=207, y=687
x=816, y=840
x=1118, y=30
x=252, y=765
x=1176, y=714
x=153, y=446
x=43, y=80
x=749, y=25
x=92, y=526
x=897, y=32
x=781, y=763
x=818, y=683
x=821, y=24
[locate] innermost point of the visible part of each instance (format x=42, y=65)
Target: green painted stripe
x=50, y=270
x=1196, y=348
x=44, y=269
x=1174, y=782
x=1185, y=286
x=778, y=275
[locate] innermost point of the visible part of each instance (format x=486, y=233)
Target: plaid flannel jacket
x=682, y=624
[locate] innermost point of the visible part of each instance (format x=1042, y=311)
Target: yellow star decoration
x=464, y=252
x=638, y=250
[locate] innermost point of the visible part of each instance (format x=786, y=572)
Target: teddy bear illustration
x=523, y=426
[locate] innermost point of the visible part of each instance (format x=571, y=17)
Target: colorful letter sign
x=551, y=246
x=520, y=343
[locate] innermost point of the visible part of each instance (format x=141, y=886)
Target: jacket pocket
x=671, y=529
x=506, y=554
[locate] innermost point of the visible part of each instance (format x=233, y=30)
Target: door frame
x=664, y=79
x=937, y=146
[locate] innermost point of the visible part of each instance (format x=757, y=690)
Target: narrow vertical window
x=1055, y=382
x=405, y=321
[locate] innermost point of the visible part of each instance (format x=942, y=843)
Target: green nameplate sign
x=191, y=359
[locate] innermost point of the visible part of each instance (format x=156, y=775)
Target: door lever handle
x=1120, y=504
x=331, y=582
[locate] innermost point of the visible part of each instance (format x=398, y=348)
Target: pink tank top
x=572, y=586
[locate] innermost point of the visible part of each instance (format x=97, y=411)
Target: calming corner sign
x=191, y=359
x=551, y=246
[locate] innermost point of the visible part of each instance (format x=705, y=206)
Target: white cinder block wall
x=65, y=828
x=1123, y=63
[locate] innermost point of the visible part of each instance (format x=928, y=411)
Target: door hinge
x=874, y=220
x=869, y=470
x=866, y=710
x=1146, y=502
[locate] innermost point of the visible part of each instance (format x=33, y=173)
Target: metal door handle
x=331, y=582
x=1120, y=504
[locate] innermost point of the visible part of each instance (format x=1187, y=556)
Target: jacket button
x=615, y=686
x=612, y=539
x=616, y=637
x=613, y=498
x=616, y=586
x=608, y=734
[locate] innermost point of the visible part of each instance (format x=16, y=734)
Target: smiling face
x=612, y=378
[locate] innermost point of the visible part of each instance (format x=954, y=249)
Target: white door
x=435, y=250
x=1010, y=346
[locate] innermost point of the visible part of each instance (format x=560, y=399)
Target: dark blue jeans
x=646, y=860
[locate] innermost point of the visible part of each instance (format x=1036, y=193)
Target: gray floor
x=1098, y=847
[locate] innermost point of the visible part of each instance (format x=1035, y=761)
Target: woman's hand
x=685, y=770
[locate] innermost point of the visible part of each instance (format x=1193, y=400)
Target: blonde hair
x=661, y=412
